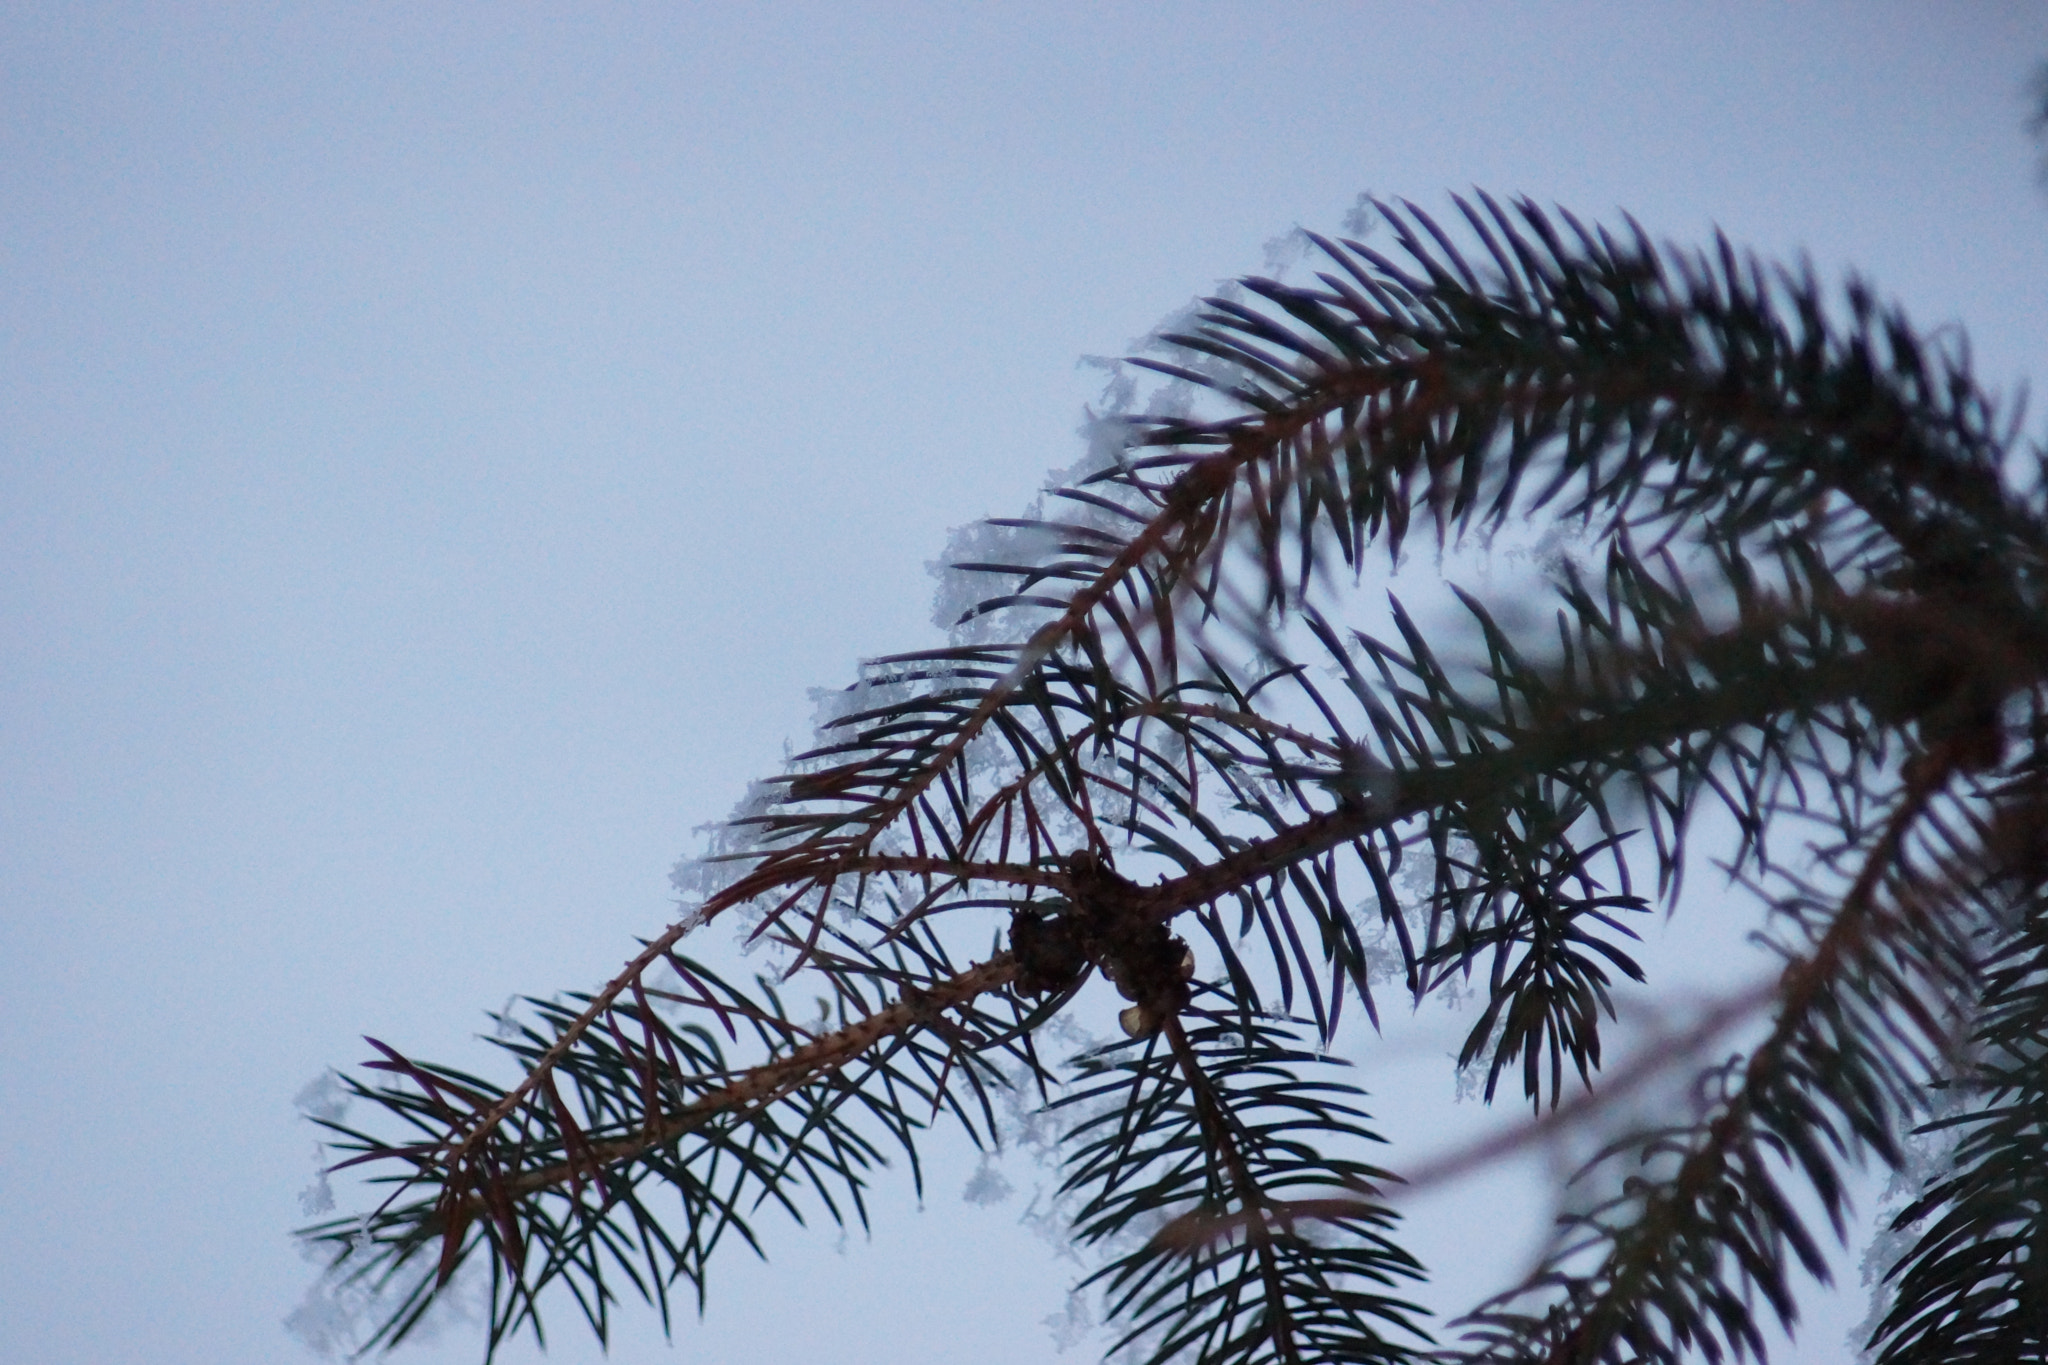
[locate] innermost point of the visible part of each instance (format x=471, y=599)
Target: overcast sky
x=440, y=446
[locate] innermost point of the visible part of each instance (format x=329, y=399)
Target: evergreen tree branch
x=1271, y=1245
x=1673, y=1245
x=504, y=1185
x=1815, y=563
x=1973, y=1288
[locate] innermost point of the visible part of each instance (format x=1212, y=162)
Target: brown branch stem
x=1801, y=987
x=762, y=1085
x=1249, y=1196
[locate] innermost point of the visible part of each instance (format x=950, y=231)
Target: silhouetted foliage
x=1193, y=738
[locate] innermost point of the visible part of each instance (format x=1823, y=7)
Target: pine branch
x=661, y=1102
x=1819, y=607
x=488, y=1197
x=1271, y=1245
x=1680, y=1254
x=1399, y=401
x=1971, y=1289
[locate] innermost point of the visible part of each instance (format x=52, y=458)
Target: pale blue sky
x=440, y=447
